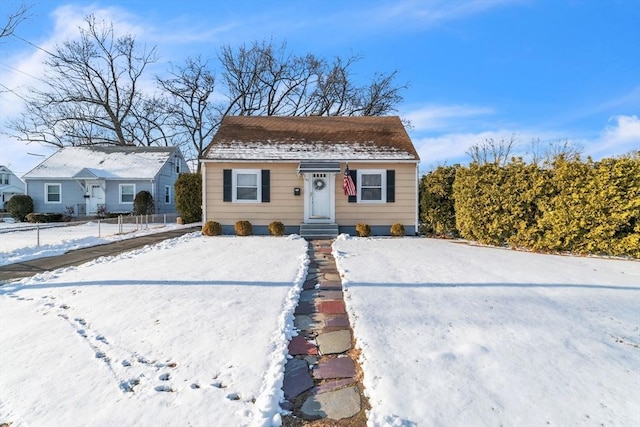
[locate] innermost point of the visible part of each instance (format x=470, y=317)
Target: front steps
x=318, y=231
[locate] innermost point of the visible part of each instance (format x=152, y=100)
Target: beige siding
x=289, y=209
x=284, y=206
x=403, y=210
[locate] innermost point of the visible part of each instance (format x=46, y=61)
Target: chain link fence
x=14, y=236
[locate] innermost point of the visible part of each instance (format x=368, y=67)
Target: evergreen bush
x=243, y=228
x=397, y=230
x=19, y=206
x=437, y=207
x=564, y=205
x=143, y=203
x=188, y=191
x=363, y=229
x=45, y=217
x=212, y=228
x=276, y=228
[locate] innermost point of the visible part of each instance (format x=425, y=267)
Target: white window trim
x=234, y=186
x=120, y=193
x=383, y=181
x=46, y=193
x=167, y=192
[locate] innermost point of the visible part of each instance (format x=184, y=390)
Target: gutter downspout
x=417, y=232
x=203, y=175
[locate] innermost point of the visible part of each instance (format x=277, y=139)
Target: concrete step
x=318, y=231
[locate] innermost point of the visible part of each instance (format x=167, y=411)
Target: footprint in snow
x=127, y=386
x=82, y=333
x=164, y=377
x=164, y=388
x=102, y=338
x=80, y=320
x=233, y=396
x=103, y=356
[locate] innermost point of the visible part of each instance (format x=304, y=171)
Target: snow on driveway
x=192, y=331
x=456, y=335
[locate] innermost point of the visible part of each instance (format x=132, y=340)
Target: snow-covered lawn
x=192, y=331
x=19, y=241
x=456, y=335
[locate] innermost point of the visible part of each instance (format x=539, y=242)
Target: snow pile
x=456, y=335
x=192, y=331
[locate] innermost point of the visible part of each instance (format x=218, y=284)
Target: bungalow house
x=96, y=179
x=319, y=176
x=10, y=185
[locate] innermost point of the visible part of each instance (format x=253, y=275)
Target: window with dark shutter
x=227, y=185
x=391, y=186
x=354, y=177
x=266, y=195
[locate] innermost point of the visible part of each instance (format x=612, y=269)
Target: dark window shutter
x=227, y=187
x=391, y=186
x=354, y=177
x=266, y=195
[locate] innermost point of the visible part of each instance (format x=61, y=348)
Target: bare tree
x=545, y=154
x=491, y=151
x=91, y=94
x=264, y=79
x=13, y=19
x=190, y=111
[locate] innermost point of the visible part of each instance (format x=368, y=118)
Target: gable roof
x=112, y=162
x=311, y=138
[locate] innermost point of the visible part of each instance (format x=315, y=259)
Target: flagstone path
x=321, y=380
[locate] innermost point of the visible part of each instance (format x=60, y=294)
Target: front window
x=371, y=186
x=5, y=178
x=167, y=194
x=127, y=193
x=53, y=193
x=246, y=185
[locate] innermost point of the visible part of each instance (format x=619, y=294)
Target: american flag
x=347, y=184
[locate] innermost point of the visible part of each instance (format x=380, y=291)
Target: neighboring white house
x=95, y=179
x=10, y=184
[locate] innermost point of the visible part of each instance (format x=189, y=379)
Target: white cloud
x=451, y=148
x=620, y=136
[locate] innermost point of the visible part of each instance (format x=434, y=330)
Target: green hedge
x=45, y=217
x=19, y=206
x=188, y=191
x=437, y=210
x=568, y=205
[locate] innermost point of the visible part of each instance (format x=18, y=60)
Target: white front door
x=320, y=201
x=96, y=198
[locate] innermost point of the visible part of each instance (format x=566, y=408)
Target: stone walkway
x=321, y=380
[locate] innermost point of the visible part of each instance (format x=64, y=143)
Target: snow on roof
x=103, y=162
x=311, y=138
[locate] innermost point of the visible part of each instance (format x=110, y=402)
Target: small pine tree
x=19, y=206
x=188, y=191
x=143, y=204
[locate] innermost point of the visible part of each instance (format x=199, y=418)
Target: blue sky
x=550, y=69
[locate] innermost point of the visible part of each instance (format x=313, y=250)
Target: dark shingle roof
x=313, y=137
